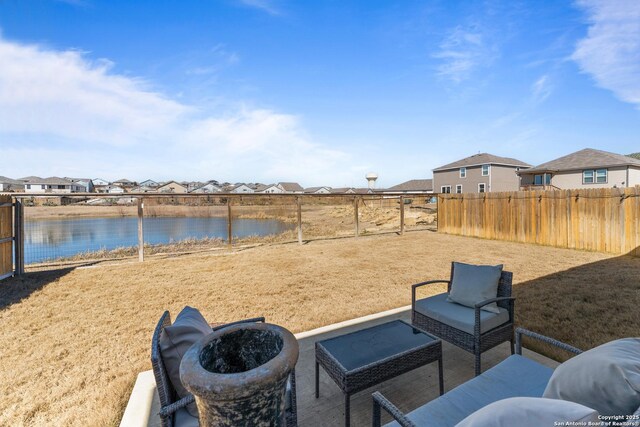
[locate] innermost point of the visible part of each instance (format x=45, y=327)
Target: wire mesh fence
x=94, y=229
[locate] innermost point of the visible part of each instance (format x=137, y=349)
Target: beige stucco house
x=172, y=187
x=588, y=168
x=480, y=173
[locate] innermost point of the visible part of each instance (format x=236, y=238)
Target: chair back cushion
x=472, y=284
x=189, y=327
x=530, y=412
x=606, y=378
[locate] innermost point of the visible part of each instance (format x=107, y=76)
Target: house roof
x=314, y=189
x=123, y=181
x=583, y=159
x=291, y=186
x=173, y=182
x=53, y=180
x=634, y=155
x=483, y=159
x=5, y=180
x=365, y=190
x=413, y=185
x=261, y=187
x=340, y=190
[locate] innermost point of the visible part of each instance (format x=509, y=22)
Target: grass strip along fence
x=604, y=220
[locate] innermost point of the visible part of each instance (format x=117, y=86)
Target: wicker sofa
x=471, y=329
x=516, y=376
x=173, y=412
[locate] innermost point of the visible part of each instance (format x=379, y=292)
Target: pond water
x=50, y=239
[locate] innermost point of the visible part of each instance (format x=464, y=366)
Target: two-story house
x=587, y=168
x=480, y=173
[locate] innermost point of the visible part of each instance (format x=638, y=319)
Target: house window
x=463, y=172
x=485, y=170
x=482, y=187
x=44, y=187
x=28, y=186
x=60, y=187
x=587, y=176
x=445, y=189
x=459, y=188
x=539, y=179
x=601, y=176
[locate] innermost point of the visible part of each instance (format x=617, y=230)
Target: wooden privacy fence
x=6, y=237
x=603, y=220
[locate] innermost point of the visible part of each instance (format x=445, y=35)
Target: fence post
x=229, y=224
x=19, y=237
x=299, y=205
x=355, y=213
x=140, y=229
x=401, y=214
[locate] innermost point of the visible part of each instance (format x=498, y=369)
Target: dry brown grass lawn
x=74, y=341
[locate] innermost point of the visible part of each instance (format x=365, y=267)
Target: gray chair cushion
x=175, y=340
x=605, y=378
x=472, y=284
x=182, y=418
x=458, y=316
x=531, y=412
x=515, y=376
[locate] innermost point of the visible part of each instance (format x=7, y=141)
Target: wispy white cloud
x=63, y=114
x=266, y=5
x=610, y=52
x=461, y=52
x=541, y=89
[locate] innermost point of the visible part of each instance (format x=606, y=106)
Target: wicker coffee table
x=370, y=356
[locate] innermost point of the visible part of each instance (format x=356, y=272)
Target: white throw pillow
x=606, y=378
x=472, y=284
x=529, y=412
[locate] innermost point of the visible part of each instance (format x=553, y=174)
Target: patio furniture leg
x=478, y=366
x=317, y=381
x=377, y=415
x=441, y=379
x=513, y=351
x=347, y=410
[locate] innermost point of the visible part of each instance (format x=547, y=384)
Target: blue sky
x=318, y=92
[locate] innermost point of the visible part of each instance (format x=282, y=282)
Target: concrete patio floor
x=408, y=391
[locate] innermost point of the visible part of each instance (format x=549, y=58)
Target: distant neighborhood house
x=480, y=173
x=412, y=186
x=208, y=188
x=587, y=168
x=317, y=190
x=149, y=183
x=34, y=184
x=8, y=184
x=86, y=183
x=100, y=181
x=241, y=188
x=172, y=187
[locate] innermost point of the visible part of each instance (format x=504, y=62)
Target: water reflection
x=49, y=239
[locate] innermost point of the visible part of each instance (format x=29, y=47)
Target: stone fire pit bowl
x=239, y=374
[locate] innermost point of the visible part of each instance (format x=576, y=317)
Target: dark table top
x=374, y=344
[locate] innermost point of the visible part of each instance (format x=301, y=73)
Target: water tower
x=371, y=178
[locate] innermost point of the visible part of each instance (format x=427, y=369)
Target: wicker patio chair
x=475, y=339
x=169, y=404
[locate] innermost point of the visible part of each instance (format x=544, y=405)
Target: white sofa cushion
x=606, y=378
x=530, y=412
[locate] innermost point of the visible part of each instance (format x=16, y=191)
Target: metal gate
x=6, y=237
